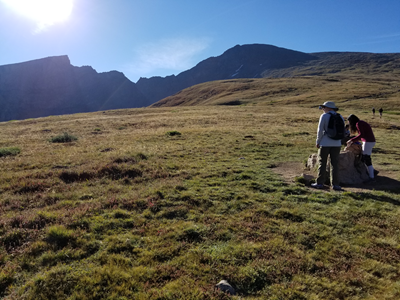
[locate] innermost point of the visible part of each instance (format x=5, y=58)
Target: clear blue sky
x=145, y=38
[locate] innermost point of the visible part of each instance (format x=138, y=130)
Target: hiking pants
x=323, y=153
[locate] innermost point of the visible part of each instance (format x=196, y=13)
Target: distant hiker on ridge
x=329, y=143
x=366, y=135
x=380, y=112
x=373, y=111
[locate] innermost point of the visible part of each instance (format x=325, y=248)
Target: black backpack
x=335, y=127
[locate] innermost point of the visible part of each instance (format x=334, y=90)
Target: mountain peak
x=52, y=86
x=59, y=60
x=240, y=61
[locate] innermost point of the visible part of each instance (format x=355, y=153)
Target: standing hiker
x=373, y=111
x=328, y=145
x=366, y=135
x=380, y=112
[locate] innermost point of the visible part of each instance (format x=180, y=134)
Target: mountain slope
x=354, y=78
x=52, y=86
x=349, y=63
x=246, y=61
x=347, y=91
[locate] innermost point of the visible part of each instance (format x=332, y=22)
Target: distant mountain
x=349, y=67
x=246, y=61
x=351, y=79
x=355, y=63
x=52, y=86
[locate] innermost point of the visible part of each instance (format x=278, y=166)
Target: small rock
x=224, y=286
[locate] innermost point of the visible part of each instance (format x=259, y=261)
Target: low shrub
x=173, y=133
x=60, y=236
x=10, y=151
x=6, y=279
x=13, y=239
x=63, y=138
x=131, y=158
x=73, y=176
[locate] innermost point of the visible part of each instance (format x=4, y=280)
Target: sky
x=146, y=38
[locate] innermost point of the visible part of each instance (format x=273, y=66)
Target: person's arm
x=320, y=130
x=360, y=134
x=346, y=131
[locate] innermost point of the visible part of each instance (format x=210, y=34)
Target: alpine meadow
x=164, y=202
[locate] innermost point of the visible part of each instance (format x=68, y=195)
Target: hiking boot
x=337, y=187
x=317, y=186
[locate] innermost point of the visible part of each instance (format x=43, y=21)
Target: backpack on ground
x=335, y=127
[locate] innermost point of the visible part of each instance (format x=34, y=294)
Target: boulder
x=225, y=287
x=351, y=169
x=312, y=161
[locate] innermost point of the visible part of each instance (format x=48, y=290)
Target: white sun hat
x=329, y=104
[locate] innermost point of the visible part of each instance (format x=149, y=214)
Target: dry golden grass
x=349, y=91
x=131, y=210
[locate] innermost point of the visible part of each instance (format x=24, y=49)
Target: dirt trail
x=384, y=181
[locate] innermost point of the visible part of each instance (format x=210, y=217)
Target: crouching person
x=366, y=135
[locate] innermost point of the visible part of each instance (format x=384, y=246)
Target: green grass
x=141, y=214
x=173, y=133
x=9, y=151
x=63, y=138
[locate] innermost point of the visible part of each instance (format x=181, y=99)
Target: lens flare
x=44, y=12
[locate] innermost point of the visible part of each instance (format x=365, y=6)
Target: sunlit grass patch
x=60, y=236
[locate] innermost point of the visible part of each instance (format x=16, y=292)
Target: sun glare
x=44, y=12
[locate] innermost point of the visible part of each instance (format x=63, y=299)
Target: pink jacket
x=365, y=133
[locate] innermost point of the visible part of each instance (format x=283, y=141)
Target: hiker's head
x=353, y=119
x=328, y=106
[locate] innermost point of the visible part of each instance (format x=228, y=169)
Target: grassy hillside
x=163, y=203
x=350, y=91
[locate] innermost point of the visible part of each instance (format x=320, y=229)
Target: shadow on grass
x=380, y=198
x=382, y=183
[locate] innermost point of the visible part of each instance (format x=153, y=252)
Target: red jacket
x=365, y=133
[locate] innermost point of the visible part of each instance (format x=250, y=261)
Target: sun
x=44, y=12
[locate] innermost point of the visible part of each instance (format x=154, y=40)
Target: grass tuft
x=10, y=151
x=63, y=138
x=173, y=133
x=59, y=236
